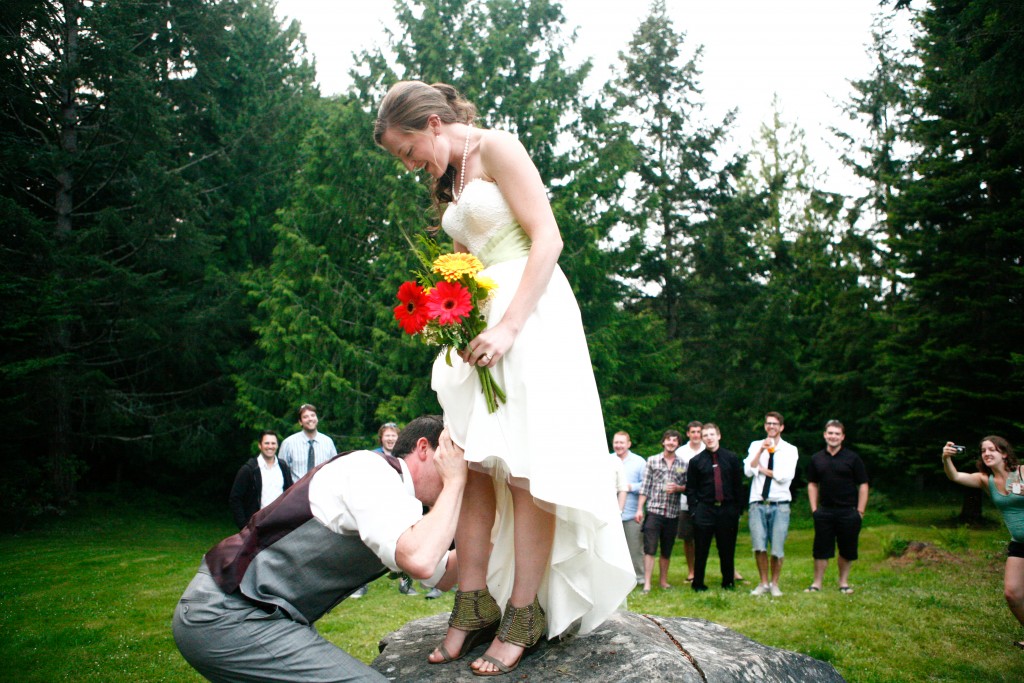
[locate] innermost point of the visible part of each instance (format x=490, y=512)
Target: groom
x=249, y=612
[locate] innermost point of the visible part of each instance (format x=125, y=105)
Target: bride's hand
x=489, y=346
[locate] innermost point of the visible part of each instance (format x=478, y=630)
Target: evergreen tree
x=781, y=172
x=113, y=353
x=690, y=230
x=881, y=110
x=326, y=334
x=814, y=316
x=952, y=362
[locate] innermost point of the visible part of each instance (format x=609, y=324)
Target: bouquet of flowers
x=446, y=305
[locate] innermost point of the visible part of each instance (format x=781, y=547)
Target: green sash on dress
x=508, y=243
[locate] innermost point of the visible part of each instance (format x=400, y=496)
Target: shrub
x=894, y=546
x=956, y=539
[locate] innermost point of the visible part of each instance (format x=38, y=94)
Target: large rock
x=627, y=647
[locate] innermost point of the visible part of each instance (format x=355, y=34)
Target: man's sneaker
x=405, y=587
x=776, y=593
x=360, y=592
x=761, y=589
x=434, y=593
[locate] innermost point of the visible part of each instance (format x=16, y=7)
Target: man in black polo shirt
x=837, y=487
x=714, y=491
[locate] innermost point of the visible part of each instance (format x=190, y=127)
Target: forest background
x=195, y=241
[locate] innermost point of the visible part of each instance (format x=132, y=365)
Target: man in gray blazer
x=249, y=612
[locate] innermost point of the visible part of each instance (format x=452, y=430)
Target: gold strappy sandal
x=523, y=626
x=475, y=612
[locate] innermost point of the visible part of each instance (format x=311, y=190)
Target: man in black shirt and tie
x=714, y=490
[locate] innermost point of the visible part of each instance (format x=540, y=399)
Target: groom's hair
x=427, y=426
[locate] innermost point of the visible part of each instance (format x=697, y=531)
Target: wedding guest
x=714, y=486
x=658, y=507
x=305, y=449
x=837, y=489
x=387, y=435
x=1001, y=475
x=259, y=481
x=634, y=467
x=771, y=462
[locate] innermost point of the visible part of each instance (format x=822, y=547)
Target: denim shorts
x=769, y=523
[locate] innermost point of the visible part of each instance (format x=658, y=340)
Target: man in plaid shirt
x=664, y=480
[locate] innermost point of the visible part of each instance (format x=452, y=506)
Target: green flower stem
x=492, y=392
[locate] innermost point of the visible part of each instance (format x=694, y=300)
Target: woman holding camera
x=1000, y=475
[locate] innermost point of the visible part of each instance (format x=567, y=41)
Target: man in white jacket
x=772, y=464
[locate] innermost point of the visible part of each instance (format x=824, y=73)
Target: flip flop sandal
x=811, y=589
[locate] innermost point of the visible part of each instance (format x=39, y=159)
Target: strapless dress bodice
x=483, y=222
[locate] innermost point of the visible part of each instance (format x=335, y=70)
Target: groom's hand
x=449, y=461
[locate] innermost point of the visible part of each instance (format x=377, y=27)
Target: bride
x=539, y=529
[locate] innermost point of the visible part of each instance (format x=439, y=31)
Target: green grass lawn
x=89, y=597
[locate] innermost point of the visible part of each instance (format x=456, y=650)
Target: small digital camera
x=960, y=450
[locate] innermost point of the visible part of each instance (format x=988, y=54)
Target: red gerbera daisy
x=412, y=313
x=449, y=302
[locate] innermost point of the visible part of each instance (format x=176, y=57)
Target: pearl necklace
x=462, y=172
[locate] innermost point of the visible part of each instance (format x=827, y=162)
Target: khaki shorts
x=685, y=530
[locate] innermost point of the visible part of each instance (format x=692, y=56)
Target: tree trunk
x=970, y=510
x=61, y=460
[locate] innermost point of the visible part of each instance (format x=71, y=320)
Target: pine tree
x=690, y=231
x=113, y=356
x=325, y=329
x=881, y=110
x=952, y=362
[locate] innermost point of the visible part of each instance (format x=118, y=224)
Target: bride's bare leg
x=473, y=540
x=534, y=536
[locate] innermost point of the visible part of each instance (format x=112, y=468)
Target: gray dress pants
x=226, y=638
x=635, y=543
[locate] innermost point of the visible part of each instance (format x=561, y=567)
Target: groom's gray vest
x=284, y=557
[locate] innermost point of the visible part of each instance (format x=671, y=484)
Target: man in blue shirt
x=634, y=466
x=304, y=450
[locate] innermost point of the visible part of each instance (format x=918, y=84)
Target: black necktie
x=311, y=458
x=767, y=479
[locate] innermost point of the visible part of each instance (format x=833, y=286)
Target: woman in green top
x=1000, y=474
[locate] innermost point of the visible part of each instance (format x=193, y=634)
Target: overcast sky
x=806, y=51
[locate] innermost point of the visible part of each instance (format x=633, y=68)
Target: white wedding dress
x=549, y=432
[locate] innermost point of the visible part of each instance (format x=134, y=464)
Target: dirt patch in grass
x=919, y=551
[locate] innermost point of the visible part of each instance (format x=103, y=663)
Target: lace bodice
x=480, y=214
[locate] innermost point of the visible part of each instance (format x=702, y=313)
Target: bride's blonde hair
x=408, y=105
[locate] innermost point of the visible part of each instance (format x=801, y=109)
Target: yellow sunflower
x=453, y=266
